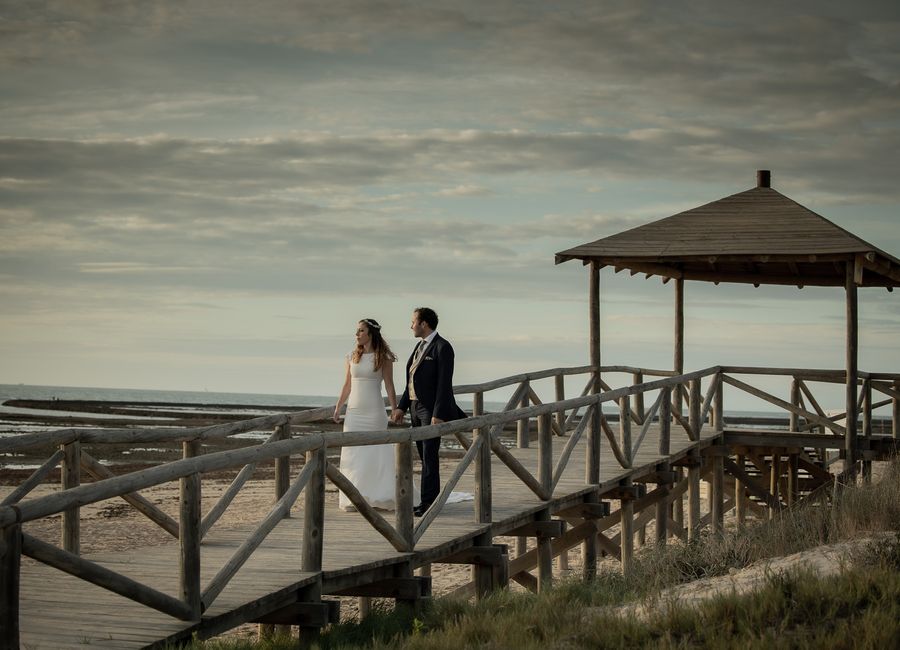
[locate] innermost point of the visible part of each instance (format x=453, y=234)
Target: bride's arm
x=387, y=373
x=345, y=393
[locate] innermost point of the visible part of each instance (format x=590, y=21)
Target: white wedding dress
x=371, y=468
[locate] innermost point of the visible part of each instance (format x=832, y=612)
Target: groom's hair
x=428, y=315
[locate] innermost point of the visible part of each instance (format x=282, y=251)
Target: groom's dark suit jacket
x=433, y=381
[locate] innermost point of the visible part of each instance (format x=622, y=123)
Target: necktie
x=419, y=351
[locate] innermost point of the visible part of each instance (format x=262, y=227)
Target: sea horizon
x=94, y=393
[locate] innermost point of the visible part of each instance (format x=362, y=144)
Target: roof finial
x=763, y=178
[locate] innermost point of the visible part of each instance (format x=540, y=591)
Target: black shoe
x=421, y=509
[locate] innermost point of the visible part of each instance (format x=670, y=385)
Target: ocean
x=25, y=391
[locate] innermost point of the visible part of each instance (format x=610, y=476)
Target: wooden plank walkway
x=61, y=611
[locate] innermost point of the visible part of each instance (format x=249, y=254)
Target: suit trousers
x=420, y=416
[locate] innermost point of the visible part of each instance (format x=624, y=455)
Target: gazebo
x=754, y=237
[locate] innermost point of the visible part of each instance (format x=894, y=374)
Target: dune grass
x=858, y=608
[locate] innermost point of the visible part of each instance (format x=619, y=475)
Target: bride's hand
x=336, y=417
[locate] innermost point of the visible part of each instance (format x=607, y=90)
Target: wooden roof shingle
x=758, y=236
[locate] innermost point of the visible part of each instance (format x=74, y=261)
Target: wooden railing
x=480, y=436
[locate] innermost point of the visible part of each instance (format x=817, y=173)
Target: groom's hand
x=436, y=420
x=397, y=416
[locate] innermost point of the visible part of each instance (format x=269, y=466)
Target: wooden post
x=694, y=500
x=678, y=364
x=638, y=378
x=560, y=385
x=592, y=469
x=793, y=418
x=625, y=429
x=627, y=524
x=10, y=564
x=314, y=514
x=312, y=550
x=589, y=554
x=403, y=492
x=563, y=564
x=717, y=487
x=665, y=421
x=521, y=545
x=852, y=370
x=545, y=555
x=694, y=406
x=189, y=534
x=867, y=427
x=523, y=426
x=775, y=480
x=482, y=576
x=364, y=605
x=265, y=632
x=719, y=406
x=412, y=605
x=282, y=481
x=740, y=496
x=793, y=491
x=545, y=452
x=282, y=465
x=895, y=403
x=590, y=547
x=665, y=424
x=71, y=478
x=678, y=504
x=482, y=465
x=717, y=495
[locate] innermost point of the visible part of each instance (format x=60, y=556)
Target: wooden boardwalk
x=61, y=611
x=651, y=463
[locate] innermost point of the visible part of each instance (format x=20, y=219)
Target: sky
x=208, y=195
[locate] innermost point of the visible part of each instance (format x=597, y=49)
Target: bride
x=370, y=468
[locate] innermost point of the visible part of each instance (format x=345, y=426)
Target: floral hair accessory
x=371, y=323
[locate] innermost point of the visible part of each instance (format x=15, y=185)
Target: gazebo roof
x=756, y=237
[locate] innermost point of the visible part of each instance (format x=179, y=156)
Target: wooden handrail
x=113, y=487
x=813, y=374
x=518, y=379
x=552, y=372
x=134, y=435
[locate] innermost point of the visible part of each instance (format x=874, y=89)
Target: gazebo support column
x=677, y=506
x=592, y=465
x=678, y=361
x=852, y=369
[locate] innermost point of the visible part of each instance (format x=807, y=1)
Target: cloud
x=463, y=191
x=190, y=160
x=129, y=267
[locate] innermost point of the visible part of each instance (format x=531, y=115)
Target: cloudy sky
x=205, y=194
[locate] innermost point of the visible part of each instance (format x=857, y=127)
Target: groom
x=429, y=397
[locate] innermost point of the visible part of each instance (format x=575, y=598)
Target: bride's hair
x=379, y=346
